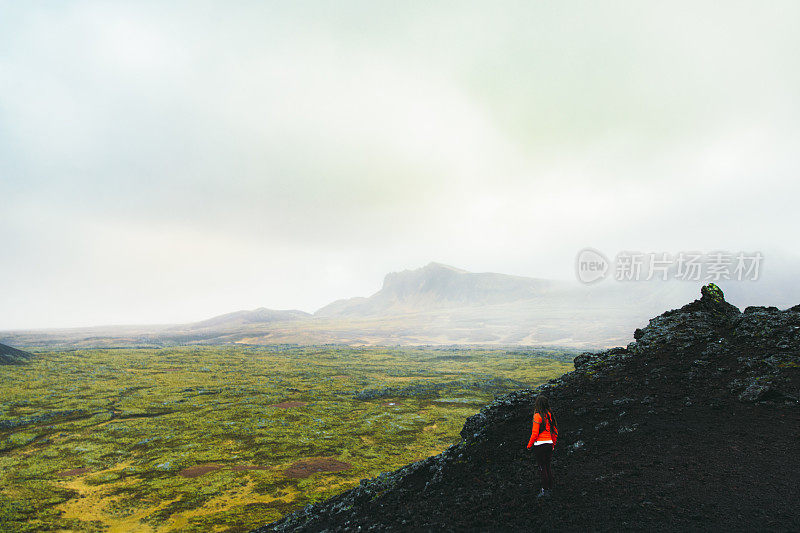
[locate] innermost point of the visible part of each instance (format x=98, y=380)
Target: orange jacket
x=549, y=433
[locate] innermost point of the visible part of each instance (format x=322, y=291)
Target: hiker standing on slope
x=543, y=439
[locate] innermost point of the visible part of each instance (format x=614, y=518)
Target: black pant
x=544, y=452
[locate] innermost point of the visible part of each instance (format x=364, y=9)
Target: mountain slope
x=12, y=356
x=694, y=426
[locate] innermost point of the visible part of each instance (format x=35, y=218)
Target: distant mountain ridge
x=440, y=286
x=255, y=316
x=436, y=304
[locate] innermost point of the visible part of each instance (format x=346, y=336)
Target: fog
x=164, y=163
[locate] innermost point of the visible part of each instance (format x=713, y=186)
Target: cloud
x=155, y=149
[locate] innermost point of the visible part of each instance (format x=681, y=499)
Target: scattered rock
x=755, y=391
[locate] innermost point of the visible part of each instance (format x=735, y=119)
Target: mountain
x=441, y=304
x=436, y=304
x=262, y=315
x=693, y=426
x=12, y=356
x=222, y=329
x=438, y=286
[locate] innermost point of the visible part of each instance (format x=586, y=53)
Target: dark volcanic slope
x=12, y=356
x=695, y=426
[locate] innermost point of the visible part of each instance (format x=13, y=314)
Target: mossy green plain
x=100, y=440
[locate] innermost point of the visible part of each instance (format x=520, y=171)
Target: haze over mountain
x=438, y=286
x=435, y=304
x=262, y=315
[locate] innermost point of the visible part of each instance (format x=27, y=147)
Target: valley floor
x=229, y=438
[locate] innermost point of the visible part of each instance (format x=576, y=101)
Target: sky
x=164, y=162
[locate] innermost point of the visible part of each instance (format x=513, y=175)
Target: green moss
x=150, y=414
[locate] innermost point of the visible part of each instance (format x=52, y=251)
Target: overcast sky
x=170, y=161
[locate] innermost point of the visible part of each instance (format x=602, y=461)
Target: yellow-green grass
x=100, y=440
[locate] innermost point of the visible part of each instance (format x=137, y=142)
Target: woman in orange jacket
x=543, y=440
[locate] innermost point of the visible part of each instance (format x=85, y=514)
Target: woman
x=543, y=439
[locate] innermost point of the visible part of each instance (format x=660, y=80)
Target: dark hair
x=542, y=406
